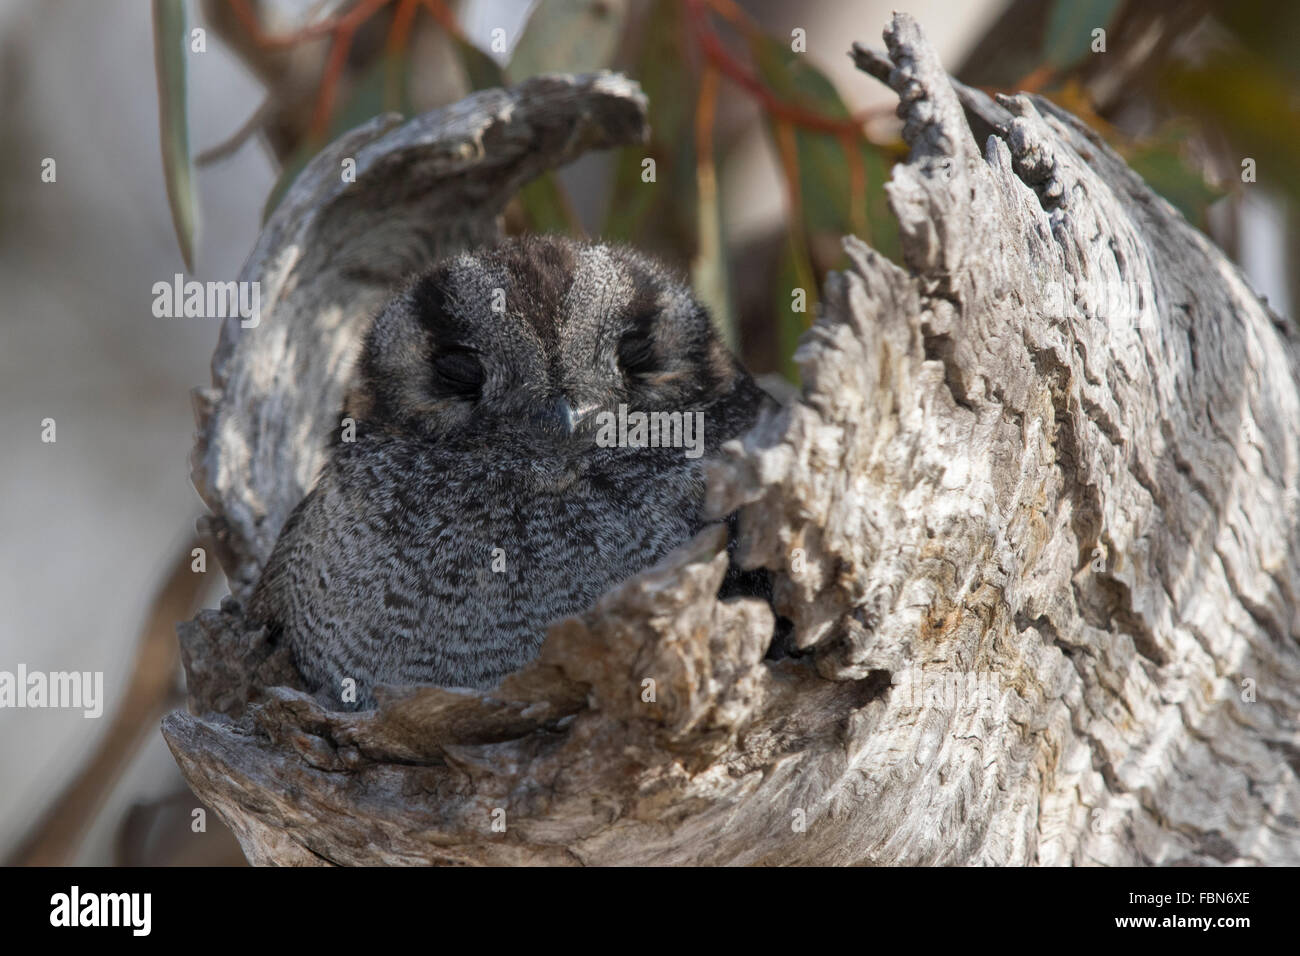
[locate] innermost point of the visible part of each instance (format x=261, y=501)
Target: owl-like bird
x=489, y=488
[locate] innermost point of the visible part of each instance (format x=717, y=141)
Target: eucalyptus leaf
x=1166, y=171
x=568, y=36
x=825, y=174
x=1069, y=29
x=546, y=206
x=658, y=215
x=481, y=70
x=170, y=53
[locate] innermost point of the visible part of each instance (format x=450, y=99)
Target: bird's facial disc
x=538, y=338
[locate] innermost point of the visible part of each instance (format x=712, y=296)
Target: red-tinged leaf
x=840, y=192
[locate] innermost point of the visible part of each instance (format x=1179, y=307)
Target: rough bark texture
x=1034, y=517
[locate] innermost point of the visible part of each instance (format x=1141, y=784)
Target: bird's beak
x=557, y=417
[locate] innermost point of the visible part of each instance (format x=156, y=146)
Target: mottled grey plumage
x=476, y=430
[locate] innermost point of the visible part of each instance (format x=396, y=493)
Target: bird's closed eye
x=459, y=371
x=636, y=354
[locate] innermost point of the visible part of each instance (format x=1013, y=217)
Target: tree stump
x=1034, y=518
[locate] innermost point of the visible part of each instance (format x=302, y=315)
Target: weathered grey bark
x=1034, y=517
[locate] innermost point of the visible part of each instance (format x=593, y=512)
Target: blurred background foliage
x=1184, y=90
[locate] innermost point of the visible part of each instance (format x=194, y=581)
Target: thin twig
x=237, y=139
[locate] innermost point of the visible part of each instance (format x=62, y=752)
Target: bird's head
x=534, y=338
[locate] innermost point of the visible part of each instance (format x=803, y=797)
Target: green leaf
x=831, y=205
x=481, y=70
x=568, y=36
x=170, y=48
x=794, y=78
x=659, y=216
x=825, y=173
x=794, y=272
x=1252, y=102
x=1069, y=29
x=546, y=207
x=1268, y=34
x=709, y=267
x=1162, y=165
